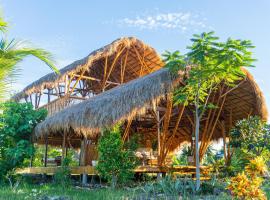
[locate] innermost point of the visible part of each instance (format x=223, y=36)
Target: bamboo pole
x=129, y=122
x=64, y=146
x=46, y=151
x=124, y=67
x=112, y=67
x=174, y=130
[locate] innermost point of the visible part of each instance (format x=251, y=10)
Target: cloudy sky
x=72, y=29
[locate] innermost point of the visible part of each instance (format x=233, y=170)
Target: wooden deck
x=177, y=170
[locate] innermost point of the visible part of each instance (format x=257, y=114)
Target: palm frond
x=11, y=54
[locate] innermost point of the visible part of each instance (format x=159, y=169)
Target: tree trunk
x=197, y=134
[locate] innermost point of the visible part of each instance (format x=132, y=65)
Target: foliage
x=17, y=123
x=182, y=159
x=251, y=135
x=209, y=156
x=169, y=187
x=53, y=152
x=12, y=53
x=210, y=64
x=247, y=185
x=62, y=175
x=116, y=160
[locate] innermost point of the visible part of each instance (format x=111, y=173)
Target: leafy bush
x=168, y=187
x=17, y=122
x=251, y=135
x=116, y=160
x=62, y=176
x=247, y=185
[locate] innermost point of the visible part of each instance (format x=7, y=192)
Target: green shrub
x=62, y=175
x=17, y=122
x=116, y=160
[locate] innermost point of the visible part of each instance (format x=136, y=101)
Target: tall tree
x=12, y=53
x=207, y=66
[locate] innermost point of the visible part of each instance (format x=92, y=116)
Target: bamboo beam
x=140, y=60
x=166, y=123
x=206, y=143
x=112, y=66
x=80, y=77
x=174, y=130
x=95, y=79
x=129, y=122
x=124, y=67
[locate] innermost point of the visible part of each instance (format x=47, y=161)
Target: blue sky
x=72, y=29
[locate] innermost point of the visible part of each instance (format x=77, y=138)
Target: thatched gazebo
x=125, y=82
x=146, y=107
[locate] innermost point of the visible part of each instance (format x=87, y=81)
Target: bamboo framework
x=121, y=61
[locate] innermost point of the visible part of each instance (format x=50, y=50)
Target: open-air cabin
x=125, y=81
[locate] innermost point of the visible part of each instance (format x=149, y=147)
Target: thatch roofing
x=94, y=63
x=109, y=107
x=89, y=117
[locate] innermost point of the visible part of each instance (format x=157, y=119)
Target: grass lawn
x=36, y=192
x=33, y=192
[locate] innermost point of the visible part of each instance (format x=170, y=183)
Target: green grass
x=33, y=192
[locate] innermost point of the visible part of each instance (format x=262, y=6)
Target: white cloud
x=173, y=20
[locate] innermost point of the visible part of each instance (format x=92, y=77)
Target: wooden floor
x=177, y=170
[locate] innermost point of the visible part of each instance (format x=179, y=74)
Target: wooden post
x=158, y=131
x=46, y=151
x=64, y=147
x=82, y=159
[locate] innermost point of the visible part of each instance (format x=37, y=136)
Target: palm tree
x=12, y=53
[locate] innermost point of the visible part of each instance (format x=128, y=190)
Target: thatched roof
x=104, y=110
x=129, y=47
x=107, y=108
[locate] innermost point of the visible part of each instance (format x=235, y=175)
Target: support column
x=46, y=151
x=158, y=132
x=82, y=159
x=64, y=147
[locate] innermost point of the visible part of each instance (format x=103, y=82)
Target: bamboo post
x=46, y=151
x=82, y=159
x=64, y=147
x=158, y=131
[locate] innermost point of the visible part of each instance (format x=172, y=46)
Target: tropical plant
x=62, y=175
x=17, y=123
x=116, y=160
x=12, y=53
x=251, y=135
x=247, y=185
x=169, y=188
x=210, y=65
x=209, y=156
